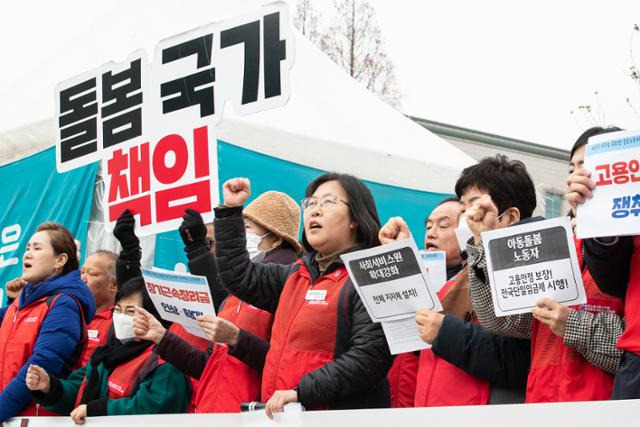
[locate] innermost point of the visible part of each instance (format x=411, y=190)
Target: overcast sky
x=515, y=68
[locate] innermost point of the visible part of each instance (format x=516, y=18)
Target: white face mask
x=123, y=327
x=253, y=241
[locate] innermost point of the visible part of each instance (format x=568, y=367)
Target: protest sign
x=391, y=280
x=403, y=336
x=436, y=263
x=614, y=162
x=530, y=261
x=152, y=124
x=179, y=297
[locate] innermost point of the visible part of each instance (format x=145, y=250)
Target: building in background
x=548, y=166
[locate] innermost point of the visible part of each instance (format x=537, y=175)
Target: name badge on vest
x=316, y=295
x=92, y=334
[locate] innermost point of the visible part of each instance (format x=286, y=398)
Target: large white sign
x=614, y=162
x=614, y=413
x=180, y=297
x=152, y=124
x=529, y=261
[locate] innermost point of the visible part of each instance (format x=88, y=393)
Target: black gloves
x=123, y=231
x=193, y=231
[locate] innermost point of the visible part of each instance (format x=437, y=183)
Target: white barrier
x=621, y=413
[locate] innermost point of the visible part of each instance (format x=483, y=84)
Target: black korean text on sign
x=274, y=52
x=402, y=266
x=186, y=86
x=122, y=105
x=553, y=247
x=78, y=120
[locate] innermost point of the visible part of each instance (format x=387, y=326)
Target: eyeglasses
x=211, y=244
x=327, y=202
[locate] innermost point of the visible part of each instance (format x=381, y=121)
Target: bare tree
x=306, y=20
x=634, y=73
x=354, y=41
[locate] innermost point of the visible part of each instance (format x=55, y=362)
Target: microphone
x=252, y=406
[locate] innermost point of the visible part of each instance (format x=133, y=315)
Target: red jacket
x=439, y=383
x=630, y=338
x=558, y=372
x=402, y=380
x=97, y=332
x=18, y=335
x=240, y=382
x=195, y=341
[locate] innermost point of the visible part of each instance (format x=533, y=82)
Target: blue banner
x=269, y=173
x=33, y=193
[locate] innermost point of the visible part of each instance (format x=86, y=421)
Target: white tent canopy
x=330, y=122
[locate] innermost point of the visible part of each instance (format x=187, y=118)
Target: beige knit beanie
x=278, y=213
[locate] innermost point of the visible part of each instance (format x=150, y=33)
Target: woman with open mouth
x=324, y=350
x=46, y=324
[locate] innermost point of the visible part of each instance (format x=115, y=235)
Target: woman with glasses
x=324, y=350
x=229, y=374
x=123, y=377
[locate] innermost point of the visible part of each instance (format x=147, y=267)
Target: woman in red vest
x=324, y=350
x=46, y=324
x=123, y=377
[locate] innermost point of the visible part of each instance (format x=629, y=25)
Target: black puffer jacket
x=356, y=377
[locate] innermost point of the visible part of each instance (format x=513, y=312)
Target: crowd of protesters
x=87, y=341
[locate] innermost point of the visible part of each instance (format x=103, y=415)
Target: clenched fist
x=236, y=191
x=394, y=230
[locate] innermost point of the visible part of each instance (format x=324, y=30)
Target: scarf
x=111, y=355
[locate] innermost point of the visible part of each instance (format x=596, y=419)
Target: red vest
x=125, y=377
x=402, y=380
x=304, y=332
x=630, y=339
x=558, y=372
x=18, y=335
x=198, y=342
x=226, y=382
x=97, y=332
x=439, y=383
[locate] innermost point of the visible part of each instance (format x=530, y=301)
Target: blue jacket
x=59, y=334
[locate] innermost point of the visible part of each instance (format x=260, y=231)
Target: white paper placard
x=614, y=162
x=180, y=297
x=530, y=261
x=403, y=336
x=391, y=280
x=436, y=263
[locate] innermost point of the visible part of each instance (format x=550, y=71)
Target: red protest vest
x=97, y=332
x=630, y=338
x=18, y=334
x=558, y=372
x=198, y=342
x=304, y=332
x=226, y=382
x=124, y=378
x=402, y=380
x=439, y=383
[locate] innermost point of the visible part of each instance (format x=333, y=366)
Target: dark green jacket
x=163, y=390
